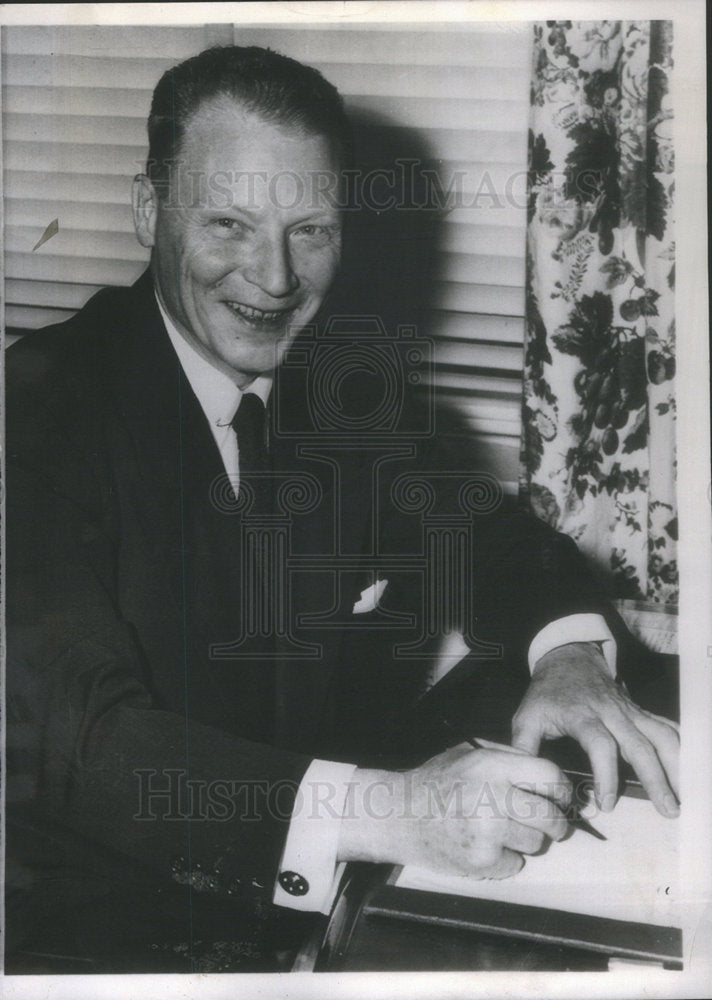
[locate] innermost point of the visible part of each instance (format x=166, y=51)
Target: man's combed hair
x=277, y=88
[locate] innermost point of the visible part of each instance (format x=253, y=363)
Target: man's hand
x=464, y=812
x=573, y=694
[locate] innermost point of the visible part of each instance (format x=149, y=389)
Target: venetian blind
x=75, y=105
x=465, y=90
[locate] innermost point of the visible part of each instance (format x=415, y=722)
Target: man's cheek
x=208, y=265
x=318, y=270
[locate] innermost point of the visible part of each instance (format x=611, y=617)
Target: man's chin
x=253, y=363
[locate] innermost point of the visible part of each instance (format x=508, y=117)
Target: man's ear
x=145, y=209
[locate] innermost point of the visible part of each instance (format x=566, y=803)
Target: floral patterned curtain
x=598, y=444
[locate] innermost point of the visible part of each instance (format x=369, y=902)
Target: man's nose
x=270, y=268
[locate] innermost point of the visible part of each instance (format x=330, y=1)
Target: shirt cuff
x=308, y=866
x=574, y=628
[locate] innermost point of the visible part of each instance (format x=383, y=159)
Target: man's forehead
x=223, y=111
x=232, y=156
x=223, y=124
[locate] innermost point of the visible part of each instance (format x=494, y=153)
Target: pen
x=573, y=814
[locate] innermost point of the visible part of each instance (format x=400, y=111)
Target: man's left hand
x=573, y=694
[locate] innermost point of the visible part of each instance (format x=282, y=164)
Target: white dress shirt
x=217, y=394
x=311, y=846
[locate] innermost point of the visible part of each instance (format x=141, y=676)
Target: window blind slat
x=480, y=269
x=494, y=426
x=444, y=143
x=51, y=158
x=464, y=115
x=460, y=326
x=448, y=82
x=84, y=71
x=449, y=45
x=77, y=270
x=490, y=213
x=100, y=102
x=504, y=412
x=454, y=296
x=21, y=212
x=94, y=40
x=474, y=184
x=499, y=418
x=496, y=241
x=76, y=243
x=473, y=384
x=467, y=355
x=102, y=189
x=84, y=129
x=47, y=294
x=32, y=318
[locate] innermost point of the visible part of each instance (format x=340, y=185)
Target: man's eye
x=314, y=234
x=226, y=223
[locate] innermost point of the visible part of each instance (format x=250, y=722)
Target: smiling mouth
x=259, y=317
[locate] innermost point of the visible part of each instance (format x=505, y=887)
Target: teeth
x=256, y=314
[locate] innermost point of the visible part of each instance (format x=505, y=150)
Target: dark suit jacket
x=123, y=572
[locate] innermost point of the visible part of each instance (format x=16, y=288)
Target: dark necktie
x=250, y=425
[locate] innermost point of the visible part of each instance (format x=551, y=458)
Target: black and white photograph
x=356, y=500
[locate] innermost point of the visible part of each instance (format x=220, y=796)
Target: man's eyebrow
x=315, y=221
x=328, y=215
x=217, y=210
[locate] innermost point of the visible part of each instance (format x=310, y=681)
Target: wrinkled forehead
x=230, y=156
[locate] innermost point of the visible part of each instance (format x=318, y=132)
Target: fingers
x=640, y=753
x=666, y=741
x=535, y=813
x=602, y=751
x=518, y=768
x=670, y=723
x=572, y=694
x=534, y=774
x=653, y=759
x=524, y=839
x=497, y=863
x=527, y=733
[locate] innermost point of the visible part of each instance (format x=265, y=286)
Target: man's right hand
x=464, y=812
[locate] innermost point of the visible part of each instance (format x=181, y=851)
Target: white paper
x=633, y=875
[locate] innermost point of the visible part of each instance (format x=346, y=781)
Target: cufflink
x=293, y=883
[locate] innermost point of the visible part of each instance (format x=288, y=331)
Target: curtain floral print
x=598, y=445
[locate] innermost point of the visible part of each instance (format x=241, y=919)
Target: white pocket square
x=368, y=601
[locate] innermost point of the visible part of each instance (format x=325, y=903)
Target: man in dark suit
x=216, y=581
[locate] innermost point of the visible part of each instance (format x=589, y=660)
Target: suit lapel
x=177, y=461
x=174, y=462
